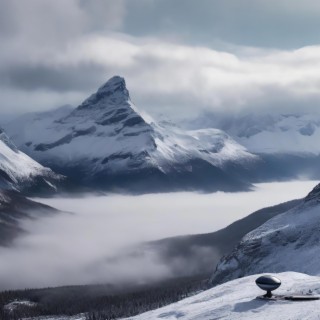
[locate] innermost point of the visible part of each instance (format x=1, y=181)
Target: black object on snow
x=268, y=283
x=302, y=298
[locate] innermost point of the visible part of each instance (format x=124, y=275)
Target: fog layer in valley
x=89, y=244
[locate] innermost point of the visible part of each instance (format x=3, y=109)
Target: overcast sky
x=178, y=57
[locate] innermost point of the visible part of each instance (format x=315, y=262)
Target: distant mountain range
x=267, y=133
x=287, y=144
x=106, y=143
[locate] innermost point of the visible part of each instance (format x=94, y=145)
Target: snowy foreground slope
x=107, y=141
x=237, y=300
x=19, y=172
x=289, y=241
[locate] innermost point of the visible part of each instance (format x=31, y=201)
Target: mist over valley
x=96, y=238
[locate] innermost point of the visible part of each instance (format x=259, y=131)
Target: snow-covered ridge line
x=268, y=133
x=106, y=138
x=19, y=171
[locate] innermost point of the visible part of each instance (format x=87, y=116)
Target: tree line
x=100, y=302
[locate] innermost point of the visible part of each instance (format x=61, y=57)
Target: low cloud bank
x=99, y=240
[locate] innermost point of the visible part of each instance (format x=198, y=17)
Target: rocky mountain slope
x=107, y=142
x=13, y=208
x=199, y=253
x=289, y=241
x=20, y=172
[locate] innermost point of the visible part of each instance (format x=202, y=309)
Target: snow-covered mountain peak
x=108, y=137
x=113, y=92
x=109, y=107
x=114, y=84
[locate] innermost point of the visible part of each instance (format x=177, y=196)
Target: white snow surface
x=236, y=300
x=107, y=126
x=76, y=317
x=289, y=134
x=17, y=165
x=264, y=133
x=18, y=303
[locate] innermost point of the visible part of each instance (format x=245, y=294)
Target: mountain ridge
x=21, y=173
x=107, y=143
x=283, y=243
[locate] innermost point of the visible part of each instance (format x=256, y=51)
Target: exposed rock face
x=13, y=208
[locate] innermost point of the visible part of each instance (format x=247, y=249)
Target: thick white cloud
x=164, y=76
x=92, y=244
x=55, y=53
